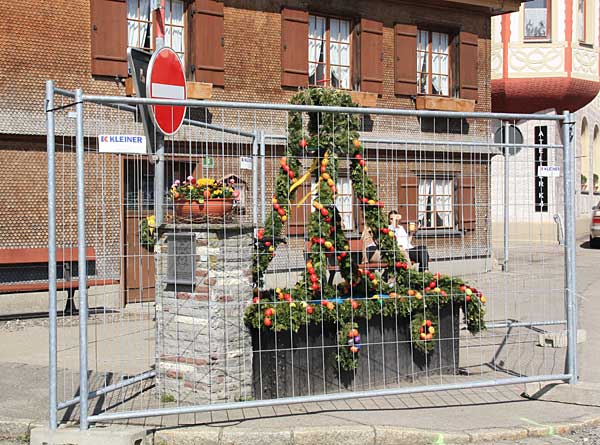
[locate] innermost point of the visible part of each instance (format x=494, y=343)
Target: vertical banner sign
x=541, y=160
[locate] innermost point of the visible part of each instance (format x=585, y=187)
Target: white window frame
x=431, y=65
x=542, y=12
x=322, y=46
x=342, y=183
x=135, y=17
x=429, y=206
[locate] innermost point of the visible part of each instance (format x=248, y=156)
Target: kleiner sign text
x=121, y=143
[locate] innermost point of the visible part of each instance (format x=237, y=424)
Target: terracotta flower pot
x=195, y=211
x=217, y=206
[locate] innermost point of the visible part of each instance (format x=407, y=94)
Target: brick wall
x=58, y=47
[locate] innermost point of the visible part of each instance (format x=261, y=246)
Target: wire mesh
x=218, y=308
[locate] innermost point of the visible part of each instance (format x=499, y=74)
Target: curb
x=20, y=429
x=376, y=435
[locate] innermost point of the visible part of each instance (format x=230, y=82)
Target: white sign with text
x=122, y=143
x=548, y=171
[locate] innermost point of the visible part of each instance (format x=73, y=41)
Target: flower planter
x=287, y=364
x=195, y=211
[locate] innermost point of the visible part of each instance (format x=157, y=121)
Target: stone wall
x=203, y=284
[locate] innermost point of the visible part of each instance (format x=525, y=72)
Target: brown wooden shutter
x=405, y=63
x=208, y=55
x=300, y=215
x=468, y=60
x=109, y=37
x=408, y=197
x=371, y=56
x=294, y=48
x=464, y=202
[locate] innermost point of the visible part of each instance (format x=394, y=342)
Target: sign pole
x=159, y=164
x=506, y=197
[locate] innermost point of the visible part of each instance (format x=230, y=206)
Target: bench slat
x=60, y=285
x=40, y=255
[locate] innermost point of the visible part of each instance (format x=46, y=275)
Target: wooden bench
x=26, y=270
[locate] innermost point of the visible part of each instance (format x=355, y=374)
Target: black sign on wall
x=541, y=160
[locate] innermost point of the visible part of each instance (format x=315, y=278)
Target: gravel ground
x=587, y=436
x=590, y=436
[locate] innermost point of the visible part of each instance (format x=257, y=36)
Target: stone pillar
x=203, y=285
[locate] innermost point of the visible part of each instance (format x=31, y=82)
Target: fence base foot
x=114, y=435
x=580, y=393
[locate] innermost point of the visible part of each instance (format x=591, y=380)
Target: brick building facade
x=254, y=52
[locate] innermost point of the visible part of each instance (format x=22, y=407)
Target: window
x=140, y=30
x=537, y=19
x=329, y=52
x=581, y=18
x=433, y=74
x=139, y=24
x=435, y=203
x=343, y=201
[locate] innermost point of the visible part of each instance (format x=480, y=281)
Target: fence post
x=263, y=192
x=506, y=197
x=82, y=266
x=51, y=252
x=255, y=178
x=570, y=284
x=159, y=179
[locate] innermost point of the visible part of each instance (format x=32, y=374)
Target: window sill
x=537, y=40
x=444, y=104
x=364, y=99
x=585, y=44
x=195, y=90
x=438, y=233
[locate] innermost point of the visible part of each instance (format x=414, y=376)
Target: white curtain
x=315, y=43
x=425, y=204
x=176, y=20
x=133, y=26
x=340, y=53
x=343, y=202
x=137, y=30
x=443, y=202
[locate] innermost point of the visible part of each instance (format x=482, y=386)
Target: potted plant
x=583, y=183
x=596, y=186
x=197, y=199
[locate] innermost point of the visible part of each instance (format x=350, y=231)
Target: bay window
x=537, y=19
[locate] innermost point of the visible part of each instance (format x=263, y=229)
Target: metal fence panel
x=279, y=302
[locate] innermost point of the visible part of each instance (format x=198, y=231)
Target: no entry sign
x=166, y=80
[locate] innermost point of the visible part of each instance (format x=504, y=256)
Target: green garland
x=397, y=291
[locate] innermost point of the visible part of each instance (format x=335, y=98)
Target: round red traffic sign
x=166, y=80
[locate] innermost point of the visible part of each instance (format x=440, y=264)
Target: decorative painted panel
x=535, y=59
x=497, y=62
x=585, y=63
